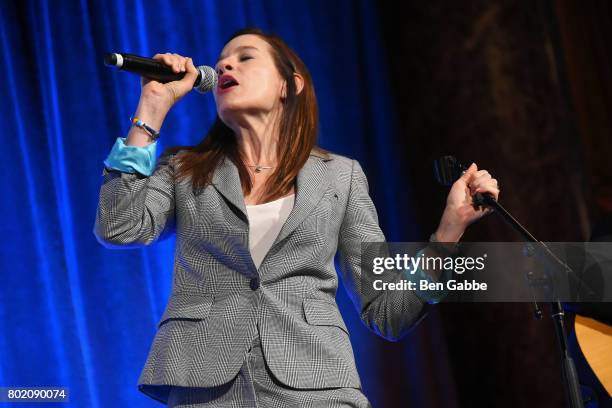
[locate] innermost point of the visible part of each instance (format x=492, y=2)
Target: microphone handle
x=485, y=199
x=147, y=67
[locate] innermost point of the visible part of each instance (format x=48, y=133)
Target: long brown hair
x=297, y=131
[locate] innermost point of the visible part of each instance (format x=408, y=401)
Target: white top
x=265, y=222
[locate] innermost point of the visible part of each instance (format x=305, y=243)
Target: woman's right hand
x=169, y=93
x=156, y=98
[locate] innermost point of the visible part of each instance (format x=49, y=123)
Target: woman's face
x=249, y=82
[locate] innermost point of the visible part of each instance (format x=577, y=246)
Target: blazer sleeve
x=388, y=313
x=135, y=210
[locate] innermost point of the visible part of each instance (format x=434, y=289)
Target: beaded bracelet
x=153, y=134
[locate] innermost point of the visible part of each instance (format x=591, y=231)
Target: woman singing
x=259, y=212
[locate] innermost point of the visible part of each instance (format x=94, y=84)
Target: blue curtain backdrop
x=75, y=314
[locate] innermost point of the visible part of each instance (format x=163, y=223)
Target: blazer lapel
x=227, y=182
x=312, y=181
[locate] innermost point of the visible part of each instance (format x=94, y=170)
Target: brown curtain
x=522, y=89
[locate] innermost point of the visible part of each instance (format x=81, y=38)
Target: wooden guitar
x=595, y=341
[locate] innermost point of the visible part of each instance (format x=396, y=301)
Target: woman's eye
x=245, y=57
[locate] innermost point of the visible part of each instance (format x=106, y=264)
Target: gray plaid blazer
x=220, y=300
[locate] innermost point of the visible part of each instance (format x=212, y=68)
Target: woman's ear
x=299, y=83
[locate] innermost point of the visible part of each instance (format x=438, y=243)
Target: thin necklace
x=259, y=167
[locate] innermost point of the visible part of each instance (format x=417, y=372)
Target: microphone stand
x=570, y=376
x=448, y=169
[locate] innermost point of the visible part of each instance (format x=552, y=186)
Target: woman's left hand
x=460, y=211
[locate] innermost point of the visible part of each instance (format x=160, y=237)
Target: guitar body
x=595, y=341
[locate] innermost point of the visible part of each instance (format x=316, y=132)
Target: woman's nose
x=226, y=67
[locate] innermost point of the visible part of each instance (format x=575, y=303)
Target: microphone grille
x=447, y=170
x=208, y=79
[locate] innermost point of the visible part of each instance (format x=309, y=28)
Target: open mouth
x=227, y=81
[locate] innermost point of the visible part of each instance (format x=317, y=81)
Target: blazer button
x=254, y=283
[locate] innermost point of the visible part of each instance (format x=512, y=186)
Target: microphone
x=158, y=71
x=448, y=169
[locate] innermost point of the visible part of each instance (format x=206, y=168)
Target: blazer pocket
x=320, y=312
x=187, y=306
